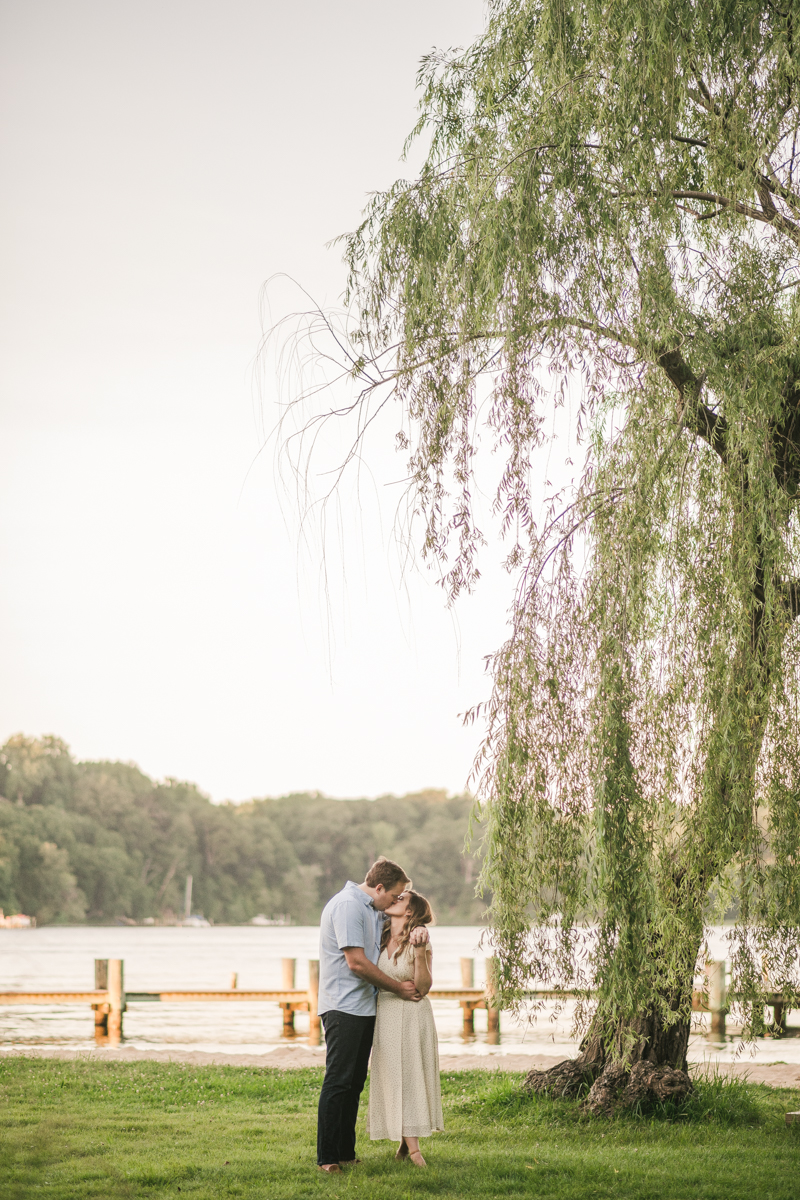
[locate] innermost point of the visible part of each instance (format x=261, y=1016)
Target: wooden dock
x=109, y=999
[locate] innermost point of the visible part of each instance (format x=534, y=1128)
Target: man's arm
x=360, y=965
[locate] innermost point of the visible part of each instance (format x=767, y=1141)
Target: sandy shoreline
x=777, y=1074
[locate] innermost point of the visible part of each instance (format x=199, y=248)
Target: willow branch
x=695, y=415
x=770, y=217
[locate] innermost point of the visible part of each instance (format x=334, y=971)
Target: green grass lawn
x=87, y=1129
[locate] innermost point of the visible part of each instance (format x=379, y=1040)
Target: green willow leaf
x=611, y=200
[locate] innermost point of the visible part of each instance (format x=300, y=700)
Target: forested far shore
x=100, y=841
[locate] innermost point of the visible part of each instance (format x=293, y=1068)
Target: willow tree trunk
x=638, y=1061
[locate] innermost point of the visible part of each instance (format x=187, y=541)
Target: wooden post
x=776, y=1002
x=288, y=967
x=314, y=1035
x=234, y=980
x=492, y=1011
x=116, y=998
x=101, y=985
x=778, y=1018
x=467, y=1006
x=717, y=996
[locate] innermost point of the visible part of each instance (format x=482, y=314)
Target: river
x=62, y=957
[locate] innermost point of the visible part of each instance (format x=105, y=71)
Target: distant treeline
x=99, y=841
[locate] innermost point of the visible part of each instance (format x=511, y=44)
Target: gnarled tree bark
x=655, y=1067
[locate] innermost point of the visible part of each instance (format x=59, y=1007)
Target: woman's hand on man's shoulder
x=419, y=936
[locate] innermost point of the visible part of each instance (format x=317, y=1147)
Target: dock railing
x=109, y=999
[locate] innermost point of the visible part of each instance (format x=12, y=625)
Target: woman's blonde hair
x=419, y=912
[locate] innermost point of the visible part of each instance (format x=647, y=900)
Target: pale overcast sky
x=162, y=160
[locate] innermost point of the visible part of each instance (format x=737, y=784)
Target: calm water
x=165, y=958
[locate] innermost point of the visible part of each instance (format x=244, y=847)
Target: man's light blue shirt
x=348, y=919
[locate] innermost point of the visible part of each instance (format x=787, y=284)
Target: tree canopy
x=99, y=841
x=609, y=213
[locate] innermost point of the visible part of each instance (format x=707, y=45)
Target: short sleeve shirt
x=348, y=919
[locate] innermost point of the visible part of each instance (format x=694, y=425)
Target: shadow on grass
x=33, y=1162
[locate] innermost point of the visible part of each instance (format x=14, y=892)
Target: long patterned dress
x=405, y=1095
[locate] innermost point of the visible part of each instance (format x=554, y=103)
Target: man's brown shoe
x=330, y=1168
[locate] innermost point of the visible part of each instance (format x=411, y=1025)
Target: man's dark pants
x=348, y=1041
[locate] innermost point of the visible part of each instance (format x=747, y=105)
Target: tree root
x=604, y=1093
x=611, y=1087
x=565, y=1080
x=619, y=1087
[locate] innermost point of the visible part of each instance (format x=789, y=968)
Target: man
x=349, y=948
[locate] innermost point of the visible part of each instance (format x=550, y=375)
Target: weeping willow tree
x=610, y=201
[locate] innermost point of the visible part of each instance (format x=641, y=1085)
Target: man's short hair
x=386, y=872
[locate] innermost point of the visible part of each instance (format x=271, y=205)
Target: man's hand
x=364, y=968
x=419, y=936
x=408, y=990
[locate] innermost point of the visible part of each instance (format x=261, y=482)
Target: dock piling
x=116, y=998
x=100, y=1010
x=314, y=1031
x=778, y=1027
x=717, y=996
x=289, y=969
x=492, y=1011
x=468, y=1006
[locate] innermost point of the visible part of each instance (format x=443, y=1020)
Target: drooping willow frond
x=611, y=196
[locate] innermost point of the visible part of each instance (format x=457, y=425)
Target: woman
x=405, y=1097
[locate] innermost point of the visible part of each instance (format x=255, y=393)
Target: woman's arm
x=422, y=969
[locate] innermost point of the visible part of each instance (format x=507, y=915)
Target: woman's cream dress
x=405, y=1095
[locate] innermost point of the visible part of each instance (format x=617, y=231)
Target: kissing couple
x=374, y=977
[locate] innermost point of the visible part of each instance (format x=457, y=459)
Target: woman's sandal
x=417, y=1159
x=402, y=1152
